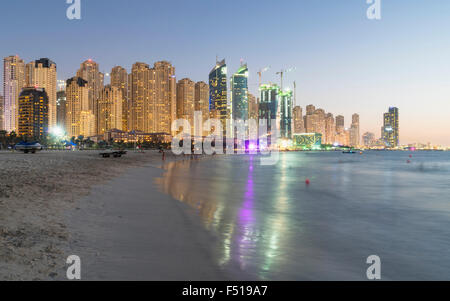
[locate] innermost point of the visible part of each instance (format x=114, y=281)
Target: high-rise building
x=201, y=101
x=119, y=79
x=218, y=101
x=286, y=114
x=13, y=83
x=354, y=131
x=33, y=113
x=310, y=121
x=268, y=106
x=186, y=101
x=253, y=107
x=89, y=71
x=330, y=129
x=340, y=124
x=61, y=108
x=299, y=125
x=164, y=108
x=319, y=126
x=42, y=74
x=142, y=82
x=368, y=138
x=61, y=85
x=239, y=94
x=390, y=130
x=310, y=109
x=109, y=110
x=79, y=117
x=1, y=112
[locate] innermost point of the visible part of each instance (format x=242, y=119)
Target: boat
x=349, y=152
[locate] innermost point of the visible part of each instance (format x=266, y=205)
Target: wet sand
x=127, y=230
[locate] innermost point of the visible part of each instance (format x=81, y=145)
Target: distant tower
x=109, y=112
x=286, y=107
x=186, y=101
x=89, y=71
x=33, y=116
x=239, y=93
x=268, y=106
x=79, y=118
x=13, y=83
x=164, y=108
x=354, y=131
x=201, y=99
x=390, y=131
x=299, y=126
x=42, y=74
x=218, y=100
x=61, y=108
x=119, y=79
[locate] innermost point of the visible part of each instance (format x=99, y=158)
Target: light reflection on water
x=270, y=225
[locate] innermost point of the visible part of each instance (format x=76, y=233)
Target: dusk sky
x=344, y=62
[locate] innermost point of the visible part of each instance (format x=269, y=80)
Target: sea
x=321, y=215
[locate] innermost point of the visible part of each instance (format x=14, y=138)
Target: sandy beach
x=37, y=193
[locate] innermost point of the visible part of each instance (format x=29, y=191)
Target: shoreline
x=139, y=233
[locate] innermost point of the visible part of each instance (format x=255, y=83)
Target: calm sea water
x=270, y=225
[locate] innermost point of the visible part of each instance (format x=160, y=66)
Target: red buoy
x=307, y=182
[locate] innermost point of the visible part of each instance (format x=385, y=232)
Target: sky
x=344, y=62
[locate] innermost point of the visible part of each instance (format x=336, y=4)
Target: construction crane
x=260, y=72
x=281, y=73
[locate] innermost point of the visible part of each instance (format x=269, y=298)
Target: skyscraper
x=119, y=79
x=79, y=117
x=61, y=108
x=330, y=129
x=2, y=112
x=340, y=124
x=286, y=114
x=368, y=138
x=310, y=109
x=109, y=110
x=33, y=116
x=319, y=126
x=390, y=131
x=13, y=83
x=354, y=131
x=218, y=101
x=164, y=108
x=253, y=107
x=299, y=125
x=186, y=101
x=42, y=74
x=239, y=93
x=142, y=82
x=268, y=106
x=89, y=71
x=201, y=101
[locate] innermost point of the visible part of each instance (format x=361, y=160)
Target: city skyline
x=373, y=65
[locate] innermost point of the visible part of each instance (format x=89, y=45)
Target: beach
x=36, y=192
x=225, y=217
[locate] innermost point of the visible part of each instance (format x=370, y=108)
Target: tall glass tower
x=218, y=101
x=268, y=107
x=239, y=93
x=286, y=114
x=390, y=129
